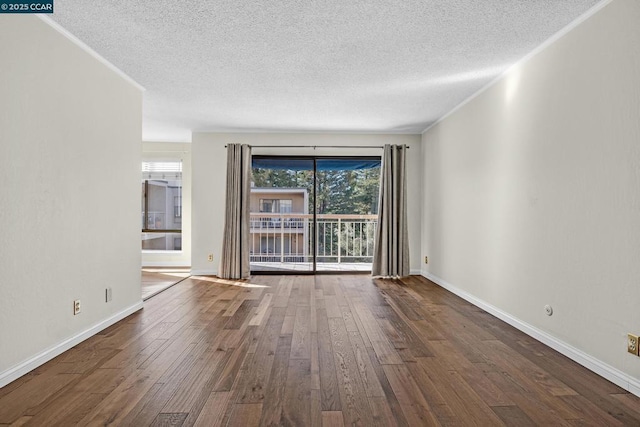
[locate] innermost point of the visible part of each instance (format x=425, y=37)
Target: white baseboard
x=204, y=272
x=27, y=366
x=415, y=272
x=597, y=366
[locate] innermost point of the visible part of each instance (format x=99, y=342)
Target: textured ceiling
x=302, y=65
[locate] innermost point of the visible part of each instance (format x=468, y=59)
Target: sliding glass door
x=313, y=214
x=346, y=213
x=282, y=227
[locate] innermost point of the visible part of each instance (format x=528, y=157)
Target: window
x=161, y=203
x=266, y=205
x=285, y=206
x=275, y=206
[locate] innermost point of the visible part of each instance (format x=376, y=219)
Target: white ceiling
x=302, y=65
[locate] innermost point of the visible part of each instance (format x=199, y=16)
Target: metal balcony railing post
x=281, y=239
x=339, y=238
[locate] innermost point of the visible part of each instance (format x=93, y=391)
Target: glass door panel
x=313, y=214
x=346, y=213
x=282, y=226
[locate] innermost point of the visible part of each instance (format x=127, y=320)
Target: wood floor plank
x=149, y=406
x=454, y=359
x=384, y=350
x=333, y=309
x=457, y=394
x=257, y=375
x=261, y=311
x=11, y=387
x=328, y=375
x=313, y=315
x=358, y=323
x=296, y=408
x=241, y=315
x=367, y=374
x=315, y=362
x=349, y=321
x=232, y=367
x=313, y=350
x=115, y=407
x=629, y=403
x=332, y=419
x=245, y=415
x=513, y=416
x=381, y=412
x=328, y=287
x=134, y=355
x=316, y=408
x=417, y=346
x=215, y=405
x=414, y=406
x=287, y=325
x=275, y=391
x=529, y=375
x=233, y=305
x=390, y=397
x=306, y=285
x=406, y=304
x=431, y=392
x=189, y=388
x=68, y=409
x=32, y=394
x=589, y=412
x=301, y=342
x=353, y=395
x=21, y=421
x=530, y=403
x=169, y=419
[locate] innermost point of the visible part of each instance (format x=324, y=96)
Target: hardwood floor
x=157, y=279
x=305, y=350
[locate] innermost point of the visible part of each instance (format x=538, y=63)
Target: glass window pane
x=281, y=222
x=285, y=206
x=161, y=205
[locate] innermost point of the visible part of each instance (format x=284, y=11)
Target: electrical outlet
x=426, y=260
x=108, y=295
x=632, y=344
x=76, y=307
x=210, y=258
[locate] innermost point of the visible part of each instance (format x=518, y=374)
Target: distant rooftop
x=277, y=190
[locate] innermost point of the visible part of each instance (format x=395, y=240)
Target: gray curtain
x=234, y=262
x=391, y=255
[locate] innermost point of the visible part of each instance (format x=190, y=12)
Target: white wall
x=173, y=151
x=209, y=175
x=70, y=131
x=532, y=192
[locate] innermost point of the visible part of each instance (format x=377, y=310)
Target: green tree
x=338, y=191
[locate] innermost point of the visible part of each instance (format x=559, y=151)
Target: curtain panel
x=234, y=261
x=391, y=254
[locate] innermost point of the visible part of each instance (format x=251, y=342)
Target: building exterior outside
x=279, y=224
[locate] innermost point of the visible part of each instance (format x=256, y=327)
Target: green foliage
x=338, y=192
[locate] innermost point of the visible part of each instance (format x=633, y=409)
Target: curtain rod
x=318, y=146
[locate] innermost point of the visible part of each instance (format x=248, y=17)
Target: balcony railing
x=288, y=238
